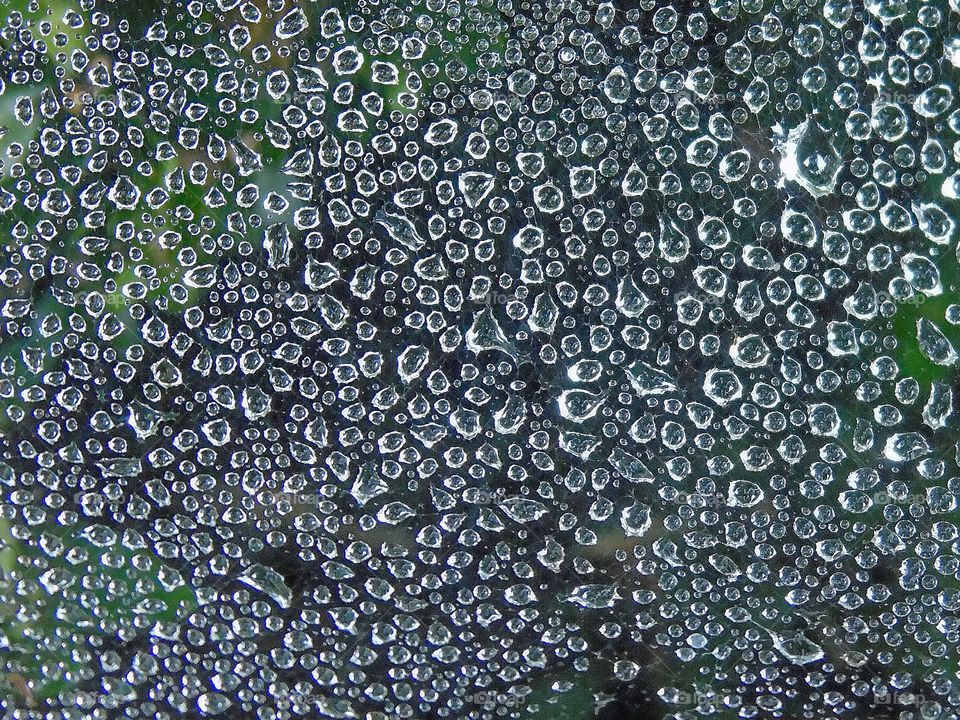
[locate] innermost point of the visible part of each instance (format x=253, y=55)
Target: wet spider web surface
x=476, y=359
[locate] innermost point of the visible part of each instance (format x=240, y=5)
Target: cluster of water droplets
x=479, y=358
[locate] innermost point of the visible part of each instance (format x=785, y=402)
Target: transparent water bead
x=469, y=359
